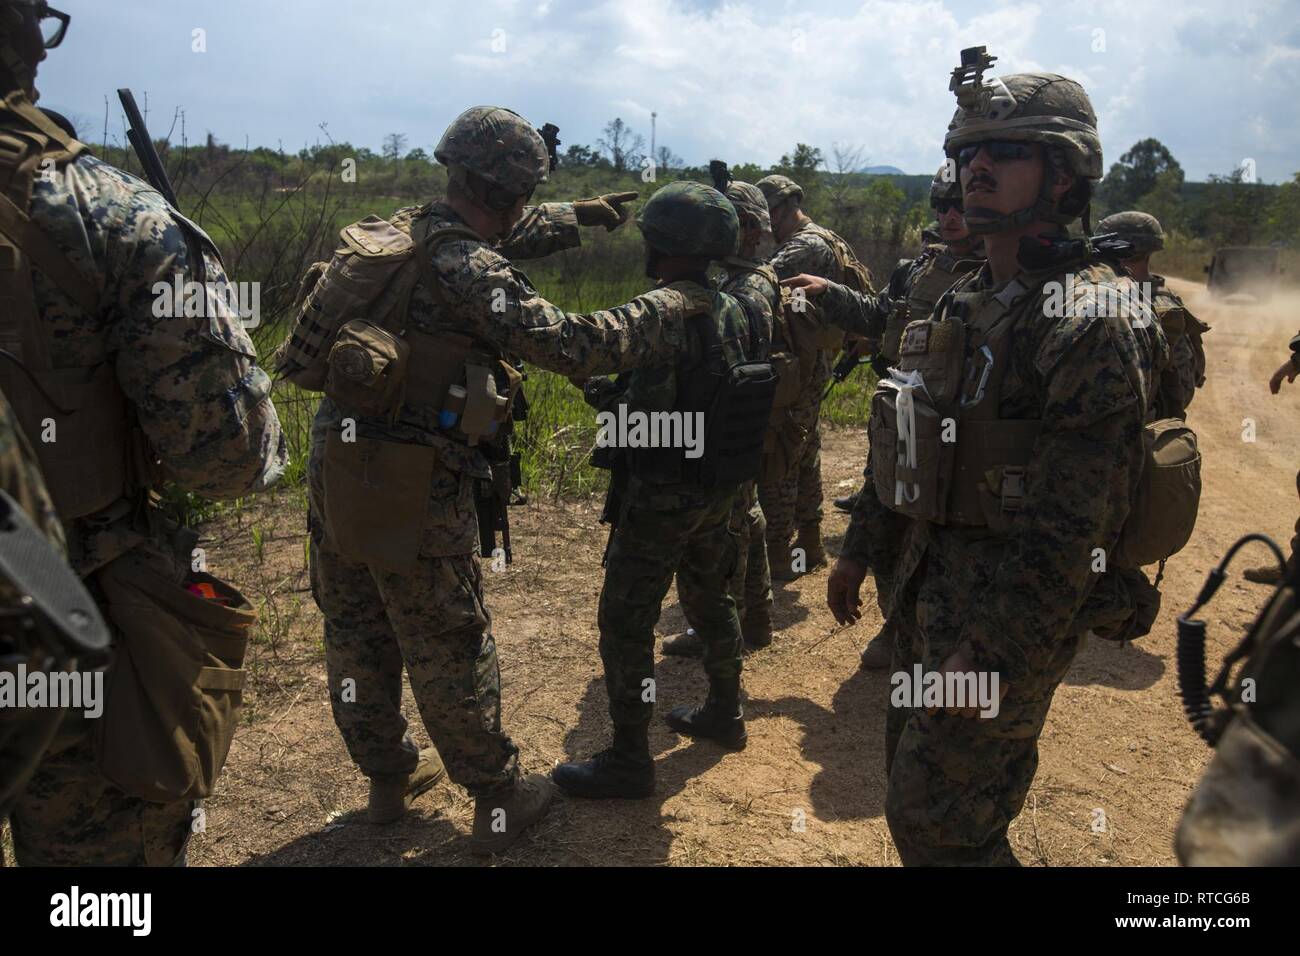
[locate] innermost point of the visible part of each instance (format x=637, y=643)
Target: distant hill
x=883, y=171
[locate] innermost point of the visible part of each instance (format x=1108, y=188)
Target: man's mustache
x=982, y=180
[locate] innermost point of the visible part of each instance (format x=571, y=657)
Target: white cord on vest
x=904, y=384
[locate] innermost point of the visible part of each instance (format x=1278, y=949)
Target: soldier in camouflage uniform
x=1270, y=573
x=795, y=501
x=992, y=581
x=1186, y=372
x=673, y=518
x=915, y=287
x=756, y=287
x=424, y=608
x=26, y=636
x=137, y=396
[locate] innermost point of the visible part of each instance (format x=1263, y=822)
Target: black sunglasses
x=999, y=151
x=52, y=33
x=942, y=206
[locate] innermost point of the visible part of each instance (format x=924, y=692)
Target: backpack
x=366, y=286
x=1245, y=811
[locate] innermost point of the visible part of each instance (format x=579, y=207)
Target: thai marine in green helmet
x=689, y=219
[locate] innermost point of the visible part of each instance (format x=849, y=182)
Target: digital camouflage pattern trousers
x=71, y=815
x=956, y=783
x=660, y=533
x=796, y=500
x=433, y=621
x=751, y=585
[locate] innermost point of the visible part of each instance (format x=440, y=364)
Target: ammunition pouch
x=367, y=369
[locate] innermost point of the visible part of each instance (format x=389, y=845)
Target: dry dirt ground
x=1115, y=742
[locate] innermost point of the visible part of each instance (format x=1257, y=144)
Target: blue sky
x=1217, y=82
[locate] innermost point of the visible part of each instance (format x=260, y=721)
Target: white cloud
x=740, y=80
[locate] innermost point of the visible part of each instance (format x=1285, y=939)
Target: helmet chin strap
x=981, y=221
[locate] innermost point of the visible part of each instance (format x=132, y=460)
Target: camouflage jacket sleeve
x=875, y=533
x=544, y=229
x=20, y=477
x=808, y=252
x=489, y=298
x=199, y=395
x=855, y=312
x=1079, y=482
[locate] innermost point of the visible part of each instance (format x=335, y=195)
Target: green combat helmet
x=777, y=189
x=497, y=145
x=690, y=219
x=749, y=200
x=1030, y=108
x=1139, y=229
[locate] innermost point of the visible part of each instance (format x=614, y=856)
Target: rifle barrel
x=138, y=135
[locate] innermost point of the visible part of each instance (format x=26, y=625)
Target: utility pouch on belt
x=174, y=688
x=367, y=369
x=1163, y=515
x=377, y=499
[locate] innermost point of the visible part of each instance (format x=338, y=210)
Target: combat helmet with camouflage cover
x=945, y=185
x=1139, y=229
x=749, y=200
x=1041, y=108
x=777, y=189
x=496, y=145
x=687, y=218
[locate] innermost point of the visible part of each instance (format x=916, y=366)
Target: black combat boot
x=847, y=503
x=624, y=771
x=718, y=718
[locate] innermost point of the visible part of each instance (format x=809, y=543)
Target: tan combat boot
x=810, y=539
x=391, y=794
x=879, y=650
x=780, y=561
x=685, y=645
x=501, y=818
x=756, y=627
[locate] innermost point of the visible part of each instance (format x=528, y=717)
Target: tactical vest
x=930, y=277
x=761, y=339
x=353, y=340
x=957, y=462
x=735, y=399
x=76, y=418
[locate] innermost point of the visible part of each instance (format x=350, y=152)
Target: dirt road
x=810, y=787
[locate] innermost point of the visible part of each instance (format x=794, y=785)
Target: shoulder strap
x=18, y=227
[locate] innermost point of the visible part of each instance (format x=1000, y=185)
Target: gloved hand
x=606, y=210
